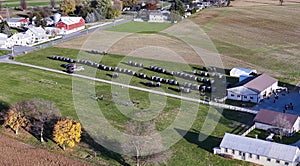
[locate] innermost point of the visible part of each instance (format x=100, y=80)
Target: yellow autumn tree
x=67, y=132
x=68, y=6
x=14, y=120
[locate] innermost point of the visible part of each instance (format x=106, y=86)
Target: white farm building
x=258, y=151
x=254, y=90
x=237, y=72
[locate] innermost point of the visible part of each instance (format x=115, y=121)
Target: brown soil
x=16, y=153
x=261, y=2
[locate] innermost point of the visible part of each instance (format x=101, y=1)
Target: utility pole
x=7, y=12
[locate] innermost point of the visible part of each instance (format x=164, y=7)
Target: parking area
x=287, y=101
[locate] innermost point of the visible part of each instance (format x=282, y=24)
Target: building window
x=250, y=155
x=251, y=97
x=226, y=150
x=245, y=97
x=240, y=153
x=257, y=157
x=232, y=95
x=286, y=163
x=268, y=159
x=232, y=151
x=277, y=161
x=238, y=95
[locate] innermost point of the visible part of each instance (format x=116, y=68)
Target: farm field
x=27, y=83
x=263, y=37
x=259, y=35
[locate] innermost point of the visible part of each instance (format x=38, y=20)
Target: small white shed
x=237, y=72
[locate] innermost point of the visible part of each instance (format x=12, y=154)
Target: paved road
x=133, y=87
x=18, y=50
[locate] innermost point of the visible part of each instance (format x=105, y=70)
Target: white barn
x=254, y=90
x=258, y=151
x=265, y=119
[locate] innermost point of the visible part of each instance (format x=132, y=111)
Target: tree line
x=43, y=120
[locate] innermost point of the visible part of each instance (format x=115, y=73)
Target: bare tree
x=146, y=148
x=41, y=114
x=23, y=4
x=280, y=2
x=282, y=123
x=52, y=4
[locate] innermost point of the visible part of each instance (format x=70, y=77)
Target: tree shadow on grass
x=108, y=154
x=207, y=144
x=3, y=109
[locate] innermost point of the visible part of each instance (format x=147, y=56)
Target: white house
x=159, y=16
x=17, y=22
x=266, y=119
x=3, y=38
x=254, y=90
x=258, y=151
x=38, y=33
x=31, y=36
x=20, y=39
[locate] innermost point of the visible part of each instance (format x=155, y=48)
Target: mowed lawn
x=140, y=27
x=41, y=58
x=21, y=83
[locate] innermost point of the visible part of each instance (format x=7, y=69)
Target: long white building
x=258, y=151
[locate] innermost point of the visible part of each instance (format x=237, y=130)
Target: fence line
x=248, y=131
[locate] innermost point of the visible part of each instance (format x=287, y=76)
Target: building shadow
x=207, y=144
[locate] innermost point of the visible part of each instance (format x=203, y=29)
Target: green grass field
x=21, y=83
x=40, y=58
x=140, y=27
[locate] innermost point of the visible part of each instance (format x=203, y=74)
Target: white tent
x=237, y=72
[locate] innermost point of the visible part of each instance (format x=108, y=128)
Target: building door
x=243, y=156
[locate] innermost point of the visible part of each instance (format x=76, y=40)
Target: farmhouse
x=70, y=24
x=254, y=89
x=3, y=38
x=17, y=22
x=20, y=39
x=266, y=119
x=31, y=36
x=37, y=33
x=258, y=151
x=159, y=16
